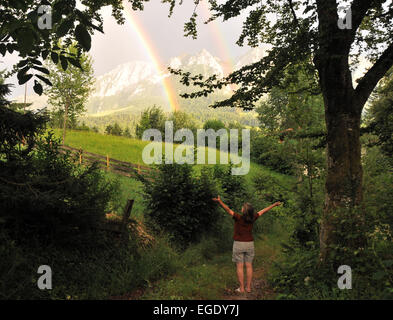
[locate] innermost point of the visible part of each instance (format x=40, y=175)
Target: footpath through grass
x=201, y=276
x=199, y=272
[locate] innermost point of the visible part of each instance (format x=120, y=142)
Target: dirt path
x=176, y=285
x=260, y=290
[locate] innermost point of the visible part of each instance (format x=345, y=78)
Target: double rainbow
x=153, y=54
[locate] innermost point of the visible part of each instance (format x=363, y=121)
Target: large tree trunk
x=344, y=176
x=343, y=187
x=343, y=108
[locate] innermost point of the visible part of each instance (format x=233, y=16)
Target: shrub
x=180, y=202
x=266, y=150
x=46, y=196
x=151, y=118
x=233, y=188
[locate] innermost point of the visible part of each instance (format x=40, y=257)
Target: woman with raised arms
x=243, y=245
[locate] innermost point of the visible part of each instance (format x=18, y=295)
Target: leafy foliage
x=180, y=203
x=267, y=150
x=114, y=130
x=182, y=120
x=379, y=116
x=232, y=187
x=69, y=90
x=25, y=30
x=45, y=196
x=301, y=32
x=151, y=118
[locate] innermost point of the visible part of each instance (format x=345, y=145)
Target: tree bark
x=344, y=177
x=343, y=108
x=343, y=188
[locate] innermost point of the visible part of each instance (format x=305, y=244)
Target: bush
x=151, y=118
x=180, y=203
x=267, y=151
x=232, y=187
x=46, y=196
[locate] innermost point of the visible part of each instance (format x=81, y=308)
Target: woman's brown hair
x=249, y=213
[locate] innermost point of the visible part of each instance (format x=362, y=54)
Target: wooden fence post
x=126, y=216
x=107, y=162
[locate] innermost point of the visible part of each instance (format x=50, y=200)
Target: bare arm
x=268, y=208
x=226, y=208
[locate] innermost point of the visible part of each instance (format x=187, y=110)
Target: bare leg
x=240, y=275
x=249, y=275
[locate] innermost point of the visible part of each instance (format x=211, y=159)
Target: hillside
x=130, y=150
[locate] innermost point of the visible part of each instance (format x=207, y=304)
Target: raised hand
x=217, y=199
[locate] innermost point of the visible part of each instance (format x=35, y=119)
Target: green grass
x=120, y=148
x=130, y=150
x=210, y=278
x=129, y=188
x=203, y=271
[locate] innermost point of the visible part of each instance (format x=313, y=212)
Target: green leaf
x=22, y=63
x=26, y=40
x=44, y=79
x=43, y=70
x=10, y=48
x=24, y=78
x=35, y=61
x=64, y=27
x=3, y=49
x=22, y=72
x=37, y=87
x=379, y=275
x=83, y=37
x=64, y=63
x=55, y=57
x=74, y=62
x=44, y=54
x=33, y=16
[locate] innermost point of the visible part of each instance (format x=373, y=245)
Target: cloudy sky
x=165, y=36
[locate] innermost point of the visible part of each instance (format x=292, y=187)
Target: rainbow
x=144, y=38
x=219, y=40
x=153, y=55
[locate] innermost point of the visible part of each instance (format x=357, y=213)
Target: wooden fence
x=123, y=226
x=105, y=162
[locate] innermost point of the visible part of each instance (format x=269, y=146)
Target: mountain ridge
x=139, y=84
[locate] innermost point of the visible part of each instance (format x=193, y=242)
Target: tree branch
x=359, y=9
x=293, y=12
x=371, y=78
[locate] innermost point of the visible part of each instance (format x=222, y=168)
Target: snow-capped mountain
x=252, y=56
x=138, y=84
x=124, y=76
x=130, y=76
